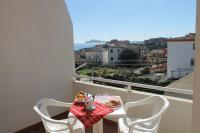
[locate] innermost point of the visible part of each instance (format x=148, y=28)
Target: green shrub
x=89, y=74
x=146, y=70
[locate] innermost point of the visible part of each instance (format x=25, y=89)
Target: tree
x=146, y=70
x=129, y=58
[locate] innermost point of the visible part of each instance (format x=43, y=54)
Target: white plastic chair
x=144, y=125
x=70, y=125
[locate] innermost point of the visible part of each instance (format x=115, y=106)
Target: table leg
x=98, y=127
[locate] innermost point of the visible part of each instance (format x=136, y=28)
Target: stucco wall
x=179, y=56
x=105, y=57
x=114, y=55
x=177, y=118
x=196, y=97
x=97, y=56
x=36, y=55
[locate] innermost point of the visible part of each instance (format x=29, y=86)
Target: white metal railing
x=84, y=64
x=129, y=85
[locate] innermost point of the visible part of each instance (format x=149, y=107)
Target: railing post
x=74, y=76
x=128, y=88
x=172, y=74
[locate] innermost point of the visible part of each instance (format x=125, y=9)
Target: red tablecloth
x=89, y=118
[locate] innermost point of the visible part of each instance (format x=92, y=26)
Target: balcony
x=38, y=61
x=179, y=114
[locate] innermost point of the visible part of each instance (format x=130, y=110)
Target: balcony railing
x=141, y=87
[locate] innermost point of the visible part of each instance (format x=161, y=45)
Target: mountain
x=94, y=41
x=137, y=42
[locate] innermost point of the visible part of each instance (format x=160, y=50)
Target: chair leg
x=118, y=129
x=83, y=130
x=98, y=127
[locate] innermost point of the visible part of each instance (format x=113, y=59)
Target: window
x=111, y=51
x=193, y=46
x=111, y=58
x=192, y=62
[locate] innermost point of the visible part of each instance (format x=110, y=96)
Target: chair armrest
x=59, y=104
x=46, y=118
x=67, y=124
x=58, y=121
x=137, y=103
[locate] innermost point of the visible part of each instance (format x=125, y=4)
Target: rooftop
x=186, y=82
x=188, y=37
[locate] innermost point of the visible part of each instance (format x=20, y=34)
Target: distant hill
x=156, y=43
x=94, y=41
x=137, y=42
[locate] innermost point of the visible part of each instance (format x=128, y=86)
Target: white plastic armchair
x=70, y=125
x=145, y=125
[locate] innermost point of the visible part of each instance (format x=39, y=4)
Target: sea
x=78, y=46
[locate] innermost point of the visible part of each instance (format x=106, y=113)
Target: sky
x=134, y=20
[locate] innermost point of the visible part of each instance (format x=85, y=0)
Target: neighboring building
x=118, y=42
x=143, y=51
x=113, y=54
x=158, y=56
x=97, y=56
x=109, y=53
x=101, y=54
x=114, y=51
x=180, y=59
x=80, y=56
x=159, y=68
x=79, y=59
x=156, y=43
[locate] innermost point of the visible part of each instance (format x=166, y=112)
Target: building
x=109, y=53
x=180, y=59
x=113, y=54
x=118, y=42
x=158, y=56
x=105, y=54
x=97, y=56
x=143, y=51
x=79, y=58
x=155, y=43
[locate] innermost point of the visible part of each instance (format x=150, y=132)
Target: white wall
x=196, y=97
x=115, y=55
x=94, y=56
x=105, y=57
x=36, y=55
x=179, y=56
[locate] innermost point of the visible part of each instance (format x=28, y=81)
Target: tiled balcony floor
x=109, y=126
